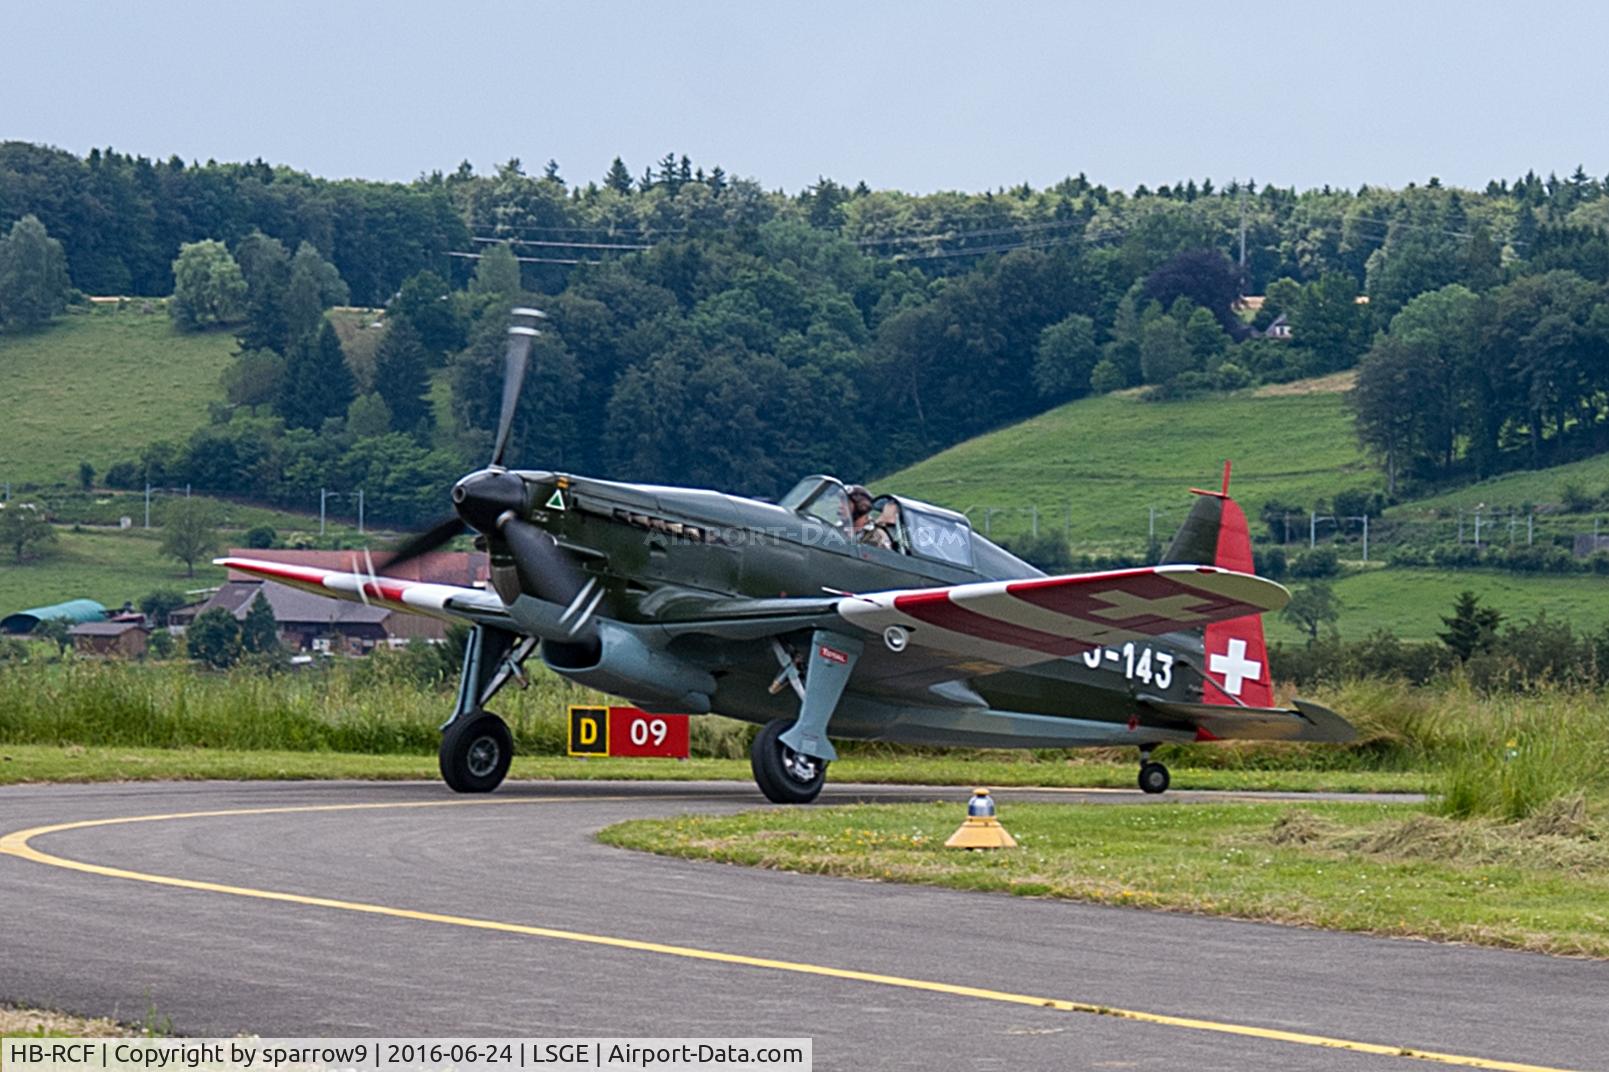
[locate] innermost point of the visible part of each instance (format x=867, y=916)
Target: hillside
x=1094, y=467
x=1410, y=603
x=97, y=386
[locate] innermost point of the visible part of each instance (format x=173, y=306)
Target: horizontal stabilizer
x=1214, y=722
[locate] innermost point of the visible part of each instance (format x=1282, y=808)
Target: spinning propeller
x=493, y=501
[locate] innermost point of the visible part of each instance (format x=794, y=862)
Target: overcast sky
x=915, y=96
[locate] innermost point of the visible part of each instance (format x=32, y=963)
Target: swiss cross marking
x=1235, y=667
x=1127, y=605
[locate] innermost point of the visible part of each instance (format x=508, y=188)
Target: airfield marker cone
x=981, y=829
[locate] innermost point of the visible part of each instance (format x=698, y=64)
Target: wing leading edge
x=450, y=601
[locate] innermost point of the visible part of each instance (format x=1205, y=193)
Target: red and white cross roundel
x=1235, y=668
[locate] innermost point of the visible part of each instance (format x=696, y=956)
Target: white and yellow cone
x=981, y=829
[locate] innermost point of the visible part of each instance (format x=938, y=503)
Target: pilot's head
x=860, y=501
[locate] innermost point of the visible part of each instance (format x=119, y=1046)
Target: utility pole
x=1312, y=529
x=360, y=511
x=1530, y=528
x=1151, y=533
x=147, y=504
x=1034, y=524
x=1477, y=528
x=1243, y=239
x=323, y=495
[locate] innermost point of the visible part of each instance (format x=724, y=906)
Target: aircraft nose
x=482, y=497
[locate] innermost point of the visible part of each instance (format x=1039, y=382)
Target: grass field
x=1541, y=487
x=108, y=566
x=1113, y=457
x=97, y=386
x=1411, y=602
x=1539, y=885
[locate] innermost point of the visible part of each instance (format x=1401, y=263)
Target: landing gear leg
x=476, y=746
x=790, y=759
x=1153, y=775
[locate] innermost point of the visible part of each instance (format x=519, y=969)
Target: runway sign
x=626, y=731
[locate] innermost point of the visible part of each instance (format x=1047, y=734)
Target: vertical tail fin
x=1236, y=657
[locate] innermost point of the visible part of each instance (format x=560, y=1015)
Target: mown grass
x=1111, y=458
x=1358, y=867
x=107, y=566
x=98, y=385
x=33, y=763
x=20, y=1022
x=1410, y=603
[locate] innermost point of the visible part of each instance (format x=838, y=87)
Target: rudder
x=1236, y=656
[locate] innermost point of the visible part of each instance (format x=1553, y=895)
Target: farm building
x=122, y=639
x=73, y=612
x=309, y=622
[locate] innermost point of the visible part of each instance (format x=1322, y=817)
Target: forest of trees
x=705, y=330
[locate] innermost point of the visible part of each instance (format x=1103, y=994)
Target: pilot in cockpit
x=863, y=526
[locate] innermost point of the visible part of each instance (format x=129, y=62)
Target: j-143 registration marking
x=1150, y=667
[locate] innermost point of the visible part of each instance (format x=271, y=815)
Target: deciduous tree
x=24, y=530
x=207, y=287
x=190, y=532
x=33, y=275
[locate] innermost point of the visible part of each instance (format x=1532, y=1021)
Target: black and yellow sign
x=589, y=730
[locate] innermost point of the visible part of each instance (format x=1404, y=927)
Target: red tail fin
x=1236, y=657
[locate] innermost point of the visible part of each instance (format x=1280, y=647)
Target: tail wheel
x=783, y=775
x=1154, y=777
x=475, y=753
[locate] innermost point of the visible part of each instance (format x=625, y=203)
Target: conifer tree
x=402, y=377
x=618, y=177
x=318, y=384
x=259, y=632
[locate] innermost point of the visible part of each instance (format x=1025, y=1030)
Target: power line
x=524, y=260
x=961, y=235
x=566, y=245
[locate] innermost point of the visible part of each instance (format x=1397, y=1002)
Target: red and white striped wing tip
x=357, y=586
x=1025, y=621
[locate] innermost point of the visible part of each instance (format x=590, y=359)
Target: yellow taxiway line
x=18, y=844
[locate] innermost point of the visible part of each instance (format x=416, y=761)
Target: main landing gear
x=790, y=756
x=783, y=775
x=476, y=745
x=1153, y=775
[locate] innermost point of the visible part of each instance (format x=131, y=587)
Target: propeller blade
x=421, y=543
x=514, y=362
x=545, y=571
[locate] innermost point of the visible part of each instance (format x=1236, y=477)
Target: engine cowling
x=618, y=662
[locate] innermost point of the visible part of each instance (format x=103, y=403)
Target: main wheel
x=783, y=775
x=1153, y=777
x=475, y=753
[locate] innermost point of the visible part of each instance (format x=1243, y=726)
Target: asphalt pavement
x=400, y=909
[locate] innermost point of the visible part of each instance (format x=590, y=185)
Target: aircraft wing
x=1020, y=623
x=450, y=601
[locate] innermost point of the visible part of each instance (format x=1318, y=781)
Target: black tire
x=475, y=753
x=1154, y=777
x=783, y=775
